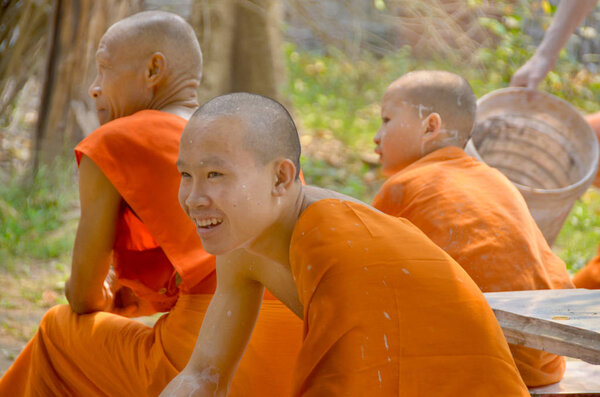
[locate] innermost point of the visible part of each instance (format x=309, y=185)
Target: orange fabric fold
x=103, y=354
x=589, y=276
x=477, y=216
x=388, y=313
x=138, y=155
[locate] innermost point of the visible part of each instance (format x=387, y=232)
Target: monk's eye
x=185, y=174
x=213, y=174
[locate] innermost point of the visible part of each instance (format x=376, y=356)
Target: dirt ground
x=25, y=295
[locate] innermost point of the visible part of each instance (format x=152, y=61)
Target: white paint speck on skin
x=386, y=315
x=228, y=313
x=385, y=341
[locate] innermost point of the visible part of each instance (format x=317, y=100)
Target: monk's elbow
x=81, y=305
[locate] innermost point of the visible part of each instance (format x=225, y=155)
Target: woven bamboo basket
x=543, y=145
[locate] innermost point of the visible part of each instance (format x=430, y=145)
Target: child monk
x=386, y=312
x=149, y=68
x=467, y=208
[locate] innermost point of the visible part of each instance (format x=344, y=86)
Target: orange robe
x=589, y=276
x=477, y=216
x=388, y=313
x=103, y=354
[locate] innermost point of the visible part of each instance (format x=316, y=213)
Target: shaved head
x=149, y=32
x=271, y=132
x=440, y=92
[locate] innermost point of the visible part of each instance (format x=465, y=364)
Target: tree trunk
x=67, y=112
x=241, y=44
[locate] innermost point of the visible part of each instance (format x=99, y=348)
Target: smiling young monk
x=149, y=68
x=467, y=208
x=386, y=312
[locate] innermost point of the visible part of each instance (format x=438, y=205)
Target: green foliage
x=579, y=238
x=34, y=217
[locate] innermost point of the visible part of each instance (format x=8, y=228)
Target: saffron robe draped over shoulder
x=102, y=354
x=388, y=313
x=477, y=216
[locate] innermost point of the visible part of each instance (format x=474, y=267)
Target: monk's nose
x=377, y=137
x=197, y=199
x=94, y=90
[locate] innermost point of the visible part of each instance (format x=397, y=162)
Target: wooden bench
x=564, y=322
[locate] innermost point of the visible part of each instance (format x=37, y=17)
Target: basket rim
x=520, y=91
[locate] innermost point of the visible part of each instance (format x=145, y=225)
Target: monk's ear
x=156, y=68
x=284, y=176
x=432, y=126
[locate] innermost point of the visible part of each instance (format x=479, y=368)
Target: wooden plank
x=564, y=322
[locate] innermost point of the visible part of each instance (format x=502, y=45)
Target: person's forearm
x=95, y=299
x=568, y=16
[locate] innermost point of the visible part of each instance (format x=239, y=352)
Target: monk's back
x=388, y=313
x=477, y=216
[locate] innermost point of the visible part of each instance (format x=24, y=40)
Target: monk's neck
x=274, y=243
x=178, y=98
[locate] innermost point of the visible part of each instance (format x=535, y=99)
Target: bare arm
x=225, y=331
x=569, y=15
x=85, y=289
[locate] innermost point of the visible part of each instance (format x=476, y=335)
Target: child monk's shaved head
x=436, y=91
x=421, y=112
x=271, y=131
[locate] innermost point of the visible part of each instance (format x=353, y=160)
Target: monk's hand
x=189, y=383
x=531, y=74
x=126, y=303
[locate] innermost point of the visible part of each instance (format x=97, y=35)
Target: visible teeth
x=209, y=222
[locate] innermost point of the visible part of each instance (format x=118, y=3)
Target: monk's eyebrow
x=209, y=162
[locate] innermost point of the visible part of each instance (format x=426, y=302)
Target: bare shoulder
x=241, y=269
x=313, y=194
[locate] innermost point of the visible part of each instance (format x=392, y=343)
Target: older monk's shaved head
x=271, y=131
x=440, y=92
x=149, y=32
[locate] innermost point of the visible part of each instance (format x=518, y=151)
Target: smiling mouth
x=208, y=223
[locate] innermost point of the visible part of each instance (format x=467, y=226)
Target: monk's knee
x=55, y=318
